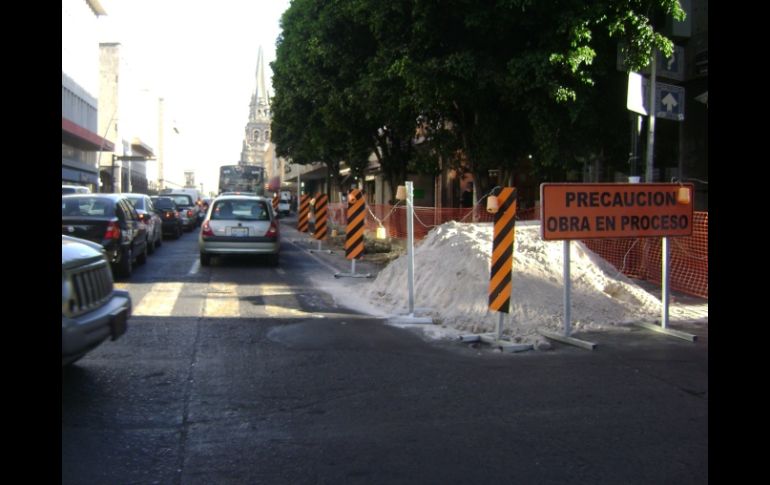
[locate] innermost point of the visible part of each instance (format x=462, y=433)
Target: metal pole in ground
x=410, y=243
x=567, y=289
x=666, y=290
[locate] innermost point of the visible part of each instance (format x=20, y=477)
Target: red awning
x=84, y=138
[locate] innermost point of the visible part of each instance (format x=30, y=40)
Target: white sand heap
x=452, y=279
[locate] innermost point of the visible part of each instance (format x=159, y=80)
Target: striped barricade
x=304, y=211
x=321, y=215
x=354, y=232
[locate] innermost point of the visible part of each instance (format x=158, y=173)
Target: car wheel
x=178, y=231
x=273, y=259
x=125, y=265
x=205, y=259
x=159, y=241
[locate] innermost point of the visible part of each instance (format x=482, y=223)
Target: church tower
x=256, y=141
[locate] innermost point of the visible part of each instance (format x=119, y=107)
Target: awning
x=82, y=138
x=138, y=147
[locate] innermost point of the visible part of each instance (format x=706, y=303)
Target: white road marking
x=195, y=267
x=222, y=301
x=159, y=301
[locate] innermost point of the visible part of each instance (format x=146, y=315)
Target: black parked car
x=188, y=210
x=169, y=215
x=110, y=220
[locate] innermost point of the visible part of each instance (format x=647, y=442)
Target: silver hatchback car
x=239, y=224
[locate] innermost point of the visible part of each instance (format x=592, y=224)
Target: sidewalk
x=332, y=253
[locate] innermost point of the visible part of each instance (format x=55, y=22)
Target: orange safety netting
x=637, y=258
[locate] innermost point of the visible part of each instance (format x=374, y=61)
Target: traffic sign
x=671, y=67
x=667, y=67
x=669, y=99
x=598, y=211
x=669, y=102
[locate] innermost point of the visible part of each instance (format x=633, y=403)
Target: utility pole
x=651, y=126
x=160, y=145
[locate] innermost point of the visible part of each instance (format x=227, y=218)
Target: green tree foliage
x=485, y=84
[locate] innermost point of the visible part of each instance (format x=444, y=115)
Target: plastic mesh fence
x=636, y=258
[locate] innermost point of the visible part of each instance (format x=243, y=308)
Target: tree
x=486, y=83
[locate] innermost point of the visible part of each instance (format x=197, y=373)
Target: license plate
x=239, y=231
x=118, y=324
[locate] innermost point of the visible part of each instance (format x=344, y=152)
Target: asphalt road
x=245, y=373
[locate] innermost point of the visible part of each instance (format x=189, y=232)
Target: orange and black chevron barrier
x=354, y=232
x=275, y=203
x=321, y=214
x=502, y=251
x=304, y=211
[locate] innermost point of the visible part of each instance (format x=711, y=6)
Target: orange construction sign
x=596, y=211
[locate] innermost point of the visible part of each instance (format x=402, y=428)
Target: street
x=245, y=373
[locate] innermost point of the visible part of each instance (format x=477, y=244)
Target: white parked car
x=239, y=224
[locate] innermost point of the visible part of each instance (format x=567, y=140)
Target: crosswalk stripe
x=159, y=301
x=222, y=301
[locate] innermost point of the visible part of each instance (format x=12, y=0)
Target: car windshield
x=242, y=210
x=87, y=207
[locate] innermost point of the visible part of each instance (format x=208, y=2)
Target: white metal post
x=410, y=243
x=651, y=127
x=665, y=277
x=567, y=288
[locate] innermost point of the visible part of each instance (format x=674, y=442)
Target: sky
x=201, y=58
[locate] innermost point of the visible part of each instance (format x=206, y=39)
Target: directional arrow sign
x=669, y=101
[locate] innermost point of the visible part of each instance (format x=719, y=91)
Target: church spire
x=257, y=133
x=260, y=99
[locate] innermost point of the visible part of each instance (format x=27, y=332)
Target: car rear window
x=87, y=207
x=137, y=202
x=242, y=210
x=165, y=204
x=181, y=199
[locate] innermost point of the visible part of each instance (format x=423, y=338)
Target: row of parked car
x=102, y=233
x=128, y=226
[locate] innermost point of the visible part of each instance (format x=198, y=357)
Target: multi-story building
x=127, y=118
x=81, y=141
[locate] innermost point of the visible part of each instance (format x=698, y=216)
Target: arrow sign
x=669, y=99
x=669, y=102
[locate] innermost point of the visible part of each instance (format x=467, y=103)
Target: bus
x=242, y=178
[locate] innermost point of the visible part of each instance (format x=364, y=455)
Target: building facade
x=81, y=141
